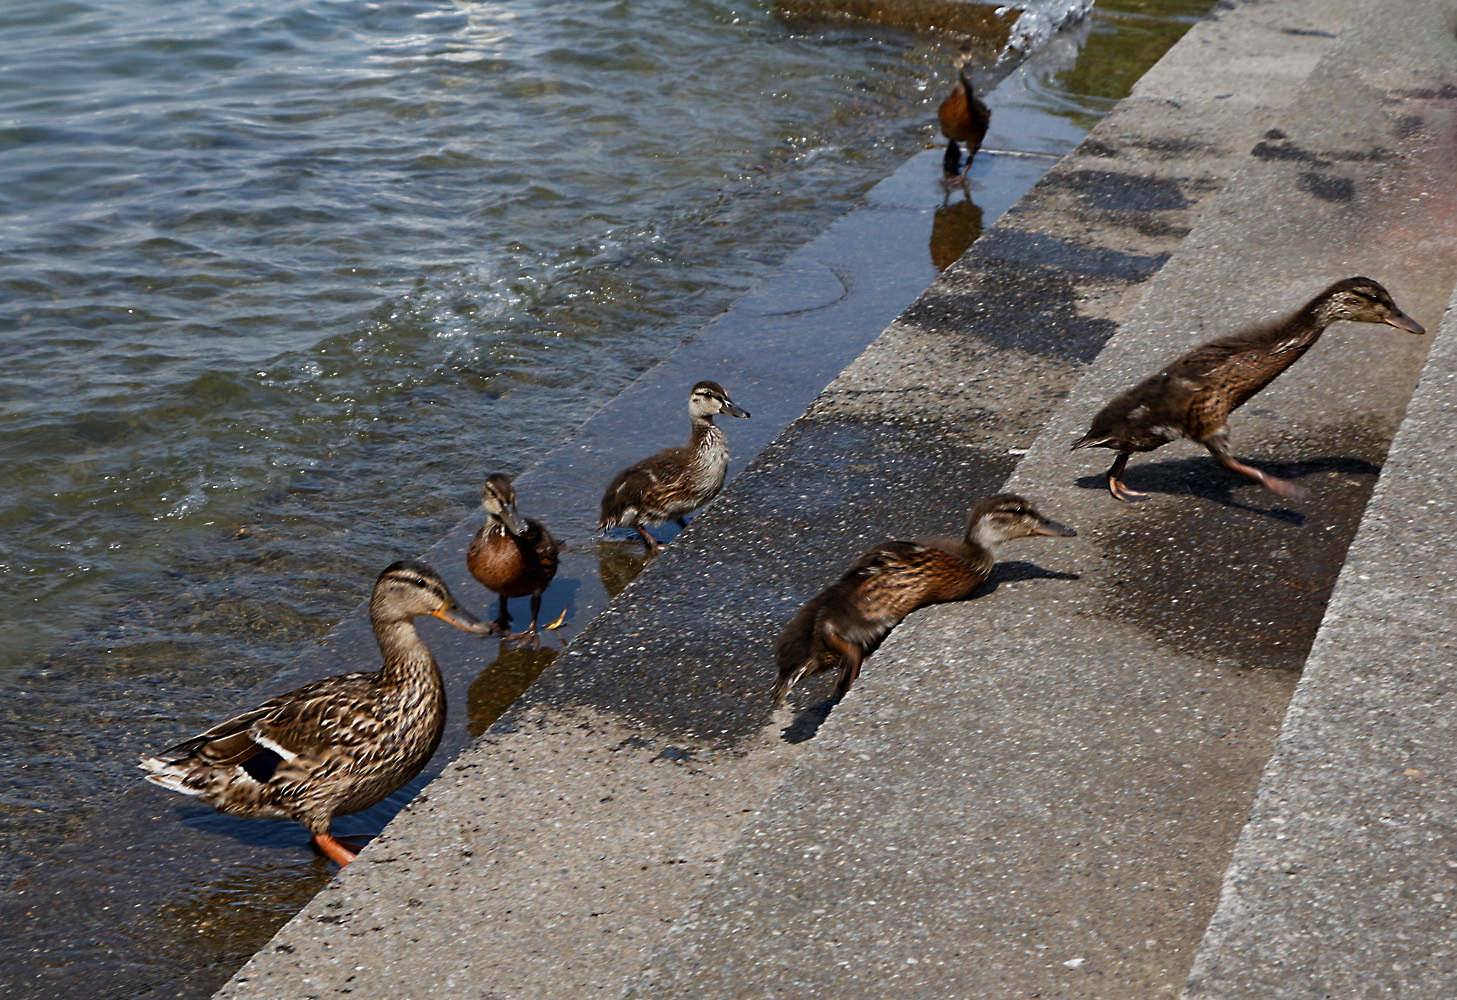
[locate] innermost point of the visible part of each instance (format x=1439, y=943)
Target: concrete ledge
x=1341, y=884
x=559, y=855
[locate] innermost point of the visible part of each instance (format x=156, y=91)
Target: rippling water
x=343, y=249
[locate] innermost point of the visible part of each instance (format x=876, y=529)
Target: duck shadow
x=807, y=721
x=1201, y=476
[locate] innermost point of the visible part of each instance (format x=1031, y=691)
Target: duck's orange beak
x=463, y=619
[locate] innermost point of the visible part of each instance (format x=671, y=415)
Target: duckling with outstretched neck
x=846, y=621
x=513, y=556
x=340, y=744
x=1194, y=396
x=964, y=120
x=676, y=481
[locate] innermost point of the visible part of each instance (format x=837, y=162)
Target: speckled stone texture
x=1342, y=884
x=1032, y=793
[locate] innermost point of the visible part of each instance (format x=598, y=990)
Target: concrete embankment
x=1037, y=792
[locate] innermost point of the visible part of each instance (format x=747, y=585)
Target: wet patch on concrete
x=1120, y=192
x=1173, y=146
x=1222, y=569
x=712, y=615
x=1028, y=286
x=1327, y=188
x=1282, y=150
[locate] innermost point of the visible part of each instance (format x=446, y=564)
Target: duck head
x=709, y=400
x=1007, y=516
x=1362, y=300
x=410, y=588
x=499, y=499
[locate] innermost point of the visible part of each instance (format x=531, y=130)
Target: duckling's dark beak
x=733, y=409
x=513, y=521
x=1054, y=530
x=463, y=619
x=1404, y=322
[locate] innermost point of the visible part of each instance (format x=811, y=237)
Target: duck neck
x=981, y=544
x=403, y=651
x=1299, y=333
x=705, y=435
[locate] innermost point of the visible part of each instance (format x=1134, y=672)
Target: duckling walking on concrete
x=676, y=481
x=1194, y=396
x=513, y=556
x=847, y=620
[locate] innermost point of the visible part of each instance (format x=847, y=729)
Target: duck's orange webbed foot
x=331, y=848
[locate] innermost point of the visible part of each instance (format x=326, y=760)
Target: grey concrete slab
x=558, y=856
x=1341, y=883
x=1034, y=793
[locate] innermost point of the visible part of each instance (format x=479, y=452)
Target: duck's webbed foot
x=1115, y=482
x=331, y=848
x=653, y=545
x=1280, y=487
x=529, y=639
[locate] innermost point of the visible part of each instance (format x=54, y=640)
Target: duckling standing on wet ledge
x=513, y=556
x=340, y=744
x=964, y=119
x=846, y=621
x=676, y=481
x=1194, y=396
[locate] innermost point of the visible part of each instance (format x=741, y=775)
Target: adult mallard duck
x=512, y=555
x=676, y=481
x=964, y=121
x=1194, y=396
x=337, y=745
x=847, y=620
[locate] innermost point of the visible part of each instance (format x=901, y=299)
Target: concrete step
x=640, y=821
x=1341, y=883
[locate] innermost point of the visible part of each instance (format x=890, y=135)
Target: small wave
x=1038, y=23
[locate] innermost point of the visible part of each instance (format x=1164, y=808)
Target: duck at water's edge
x=513, y=556
x=964, y=121
x=340, y=744
x=676, y=481
x=846, y=621
x=1194, y=396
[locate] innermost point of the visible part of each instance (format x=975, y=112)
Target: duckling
x=512, y=555
x=964, y=119
x=675, y=481
x=848, y=620
x=337, y=745
x=1194, y=396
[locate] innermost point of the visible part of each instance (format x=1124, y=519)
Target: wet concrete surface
x=641, y=820
x=136, y=901
x=1341, y=882
x=1034, y=793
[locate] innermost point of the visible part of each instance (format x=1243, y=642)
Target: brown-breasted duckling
x=337, y=745
x=676, y=481
x=847, y=620
x=513, y=556
x=1194, y=396
x=964, y=121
